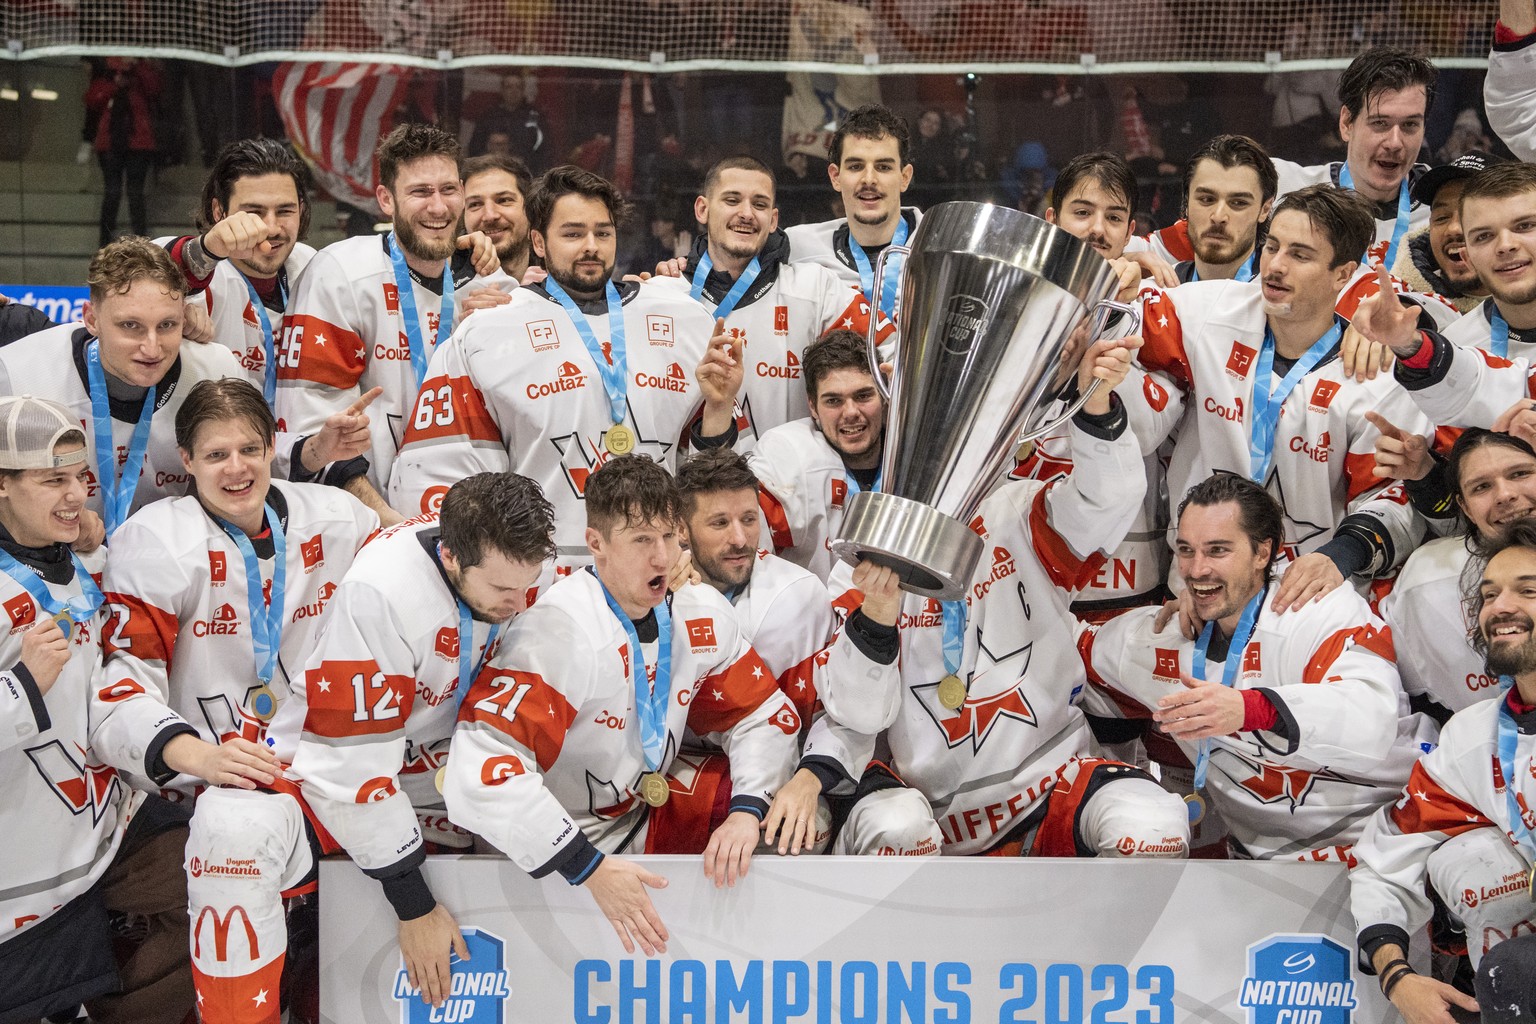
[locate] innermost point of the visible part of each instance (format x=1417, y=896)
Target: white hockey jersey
x=1476, y=389
x=1509, y=95
x=343, y=336
x=547, y=757
x=51, y=364
x=370, y=727
x=1294, y=176
x=178, y=643
x=803, y=488
x=237, y=323
x=1455, y=788
x=988, y=765
x=1349, y=738
x=64, y=808
x=515, y=389
x=1206, y=337
x=827, y=244
x=1475, y=330
x=1434, y=655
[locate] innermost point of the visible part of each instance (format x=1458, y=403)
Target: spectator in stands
x=18, y=319
x=516, y=118
x=120, y=102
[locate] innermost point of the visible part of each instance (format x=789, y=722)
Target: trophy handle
x=1100, y=313
x=874, y=318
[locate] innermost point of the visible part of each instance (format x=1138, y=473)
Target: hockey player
x=362, y=744
x=1492, y=478
x=1463, y=821
x=495, y=196
x=126, y=372
x=1229, y=190
x=216, y=600
x=871, y=166
x=809, y=467
x=370, y=312
x=1304, y=438
x=252, y=217
x=85, y=843
x=1509, y=94
x=1463, y=378
x=1298, y=716
x=592, y=369
x=787, y=614
x=739, y=270
x=991, y=753
x=609, y=656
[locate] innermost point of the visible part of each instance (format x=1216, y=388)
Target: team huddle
x=445, y=540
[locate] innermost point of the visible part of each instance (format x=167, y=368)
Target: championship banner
x=845, y=940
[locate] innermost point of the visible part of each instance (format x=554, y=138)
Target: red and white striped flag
x=335, y=113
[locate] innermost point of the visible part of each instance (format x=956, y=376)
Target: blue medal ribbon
x=1268, y=398
x=650, y=703
x=1508, y=739
x=613, y=373
x=1499, y=344
x=1240, y=638
x=954, y=635
x=116, y=493
x=266, y=616
x=892, y=271
x=1404, y=202
x=727, y=304
x=415, y=332
x=466, y=641
x=78, y=608
x=269, y=385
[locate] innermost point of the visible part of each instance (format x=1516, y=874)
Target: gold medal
x=1025, y=451
x=951, y=692
x=1531, y=885
x=263, y=702
x=619, y=440
x=1195, y=804
x=68, y=626
x=441, y=778
x=654, y=789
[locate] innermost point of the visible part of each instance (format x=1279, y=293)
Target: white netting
x=871, y=36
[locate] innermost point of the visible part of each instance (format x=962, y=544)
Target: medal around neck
x=654, y=789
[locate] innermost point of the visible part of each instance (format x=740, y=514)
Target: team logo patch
x=658, y=330
x=1298, y=978
x=701, y=634
x=21, y=611
x=218, y=568
x=839, y=492
x=1240, y=360
x=1322, y=395
x=391, y=299
x=542, y=335
x=1251, y=664
x=447, y=643
x=313, y=553
x=1167, y=664
x=781, y=321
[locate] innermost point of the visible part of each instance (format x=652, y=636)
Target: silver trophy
x=997, y=309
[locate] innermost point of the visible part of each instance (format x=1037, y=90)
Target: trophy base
x=934, y=554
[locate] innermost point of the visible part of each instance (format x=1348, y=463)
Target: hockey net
x=860, y=37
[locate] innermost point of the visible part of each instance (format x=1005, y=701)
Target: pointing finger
x=1387, y=428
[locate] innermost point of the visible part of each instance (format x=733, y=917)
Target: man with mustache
x=243, y=266
x=1229, y=189
x=1268, y=397
x=871, y=166
x=574, y=370
x=370, y=311
x=1463, y=823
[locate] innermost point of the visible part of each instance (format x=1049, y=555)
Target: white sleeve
x=1509, y=96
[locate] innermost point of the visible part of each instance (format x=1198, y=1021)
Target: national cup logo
x=964, y=318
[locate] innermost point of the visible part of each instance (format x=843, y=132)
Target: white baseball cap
x=31, y=428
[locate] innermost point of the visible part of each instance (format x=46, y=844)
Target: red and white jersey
x=803, y=488
x=1294, y=176
x=1509, y=95
x=1328, y=670
x=343, y=336
x=548, y=750
x=1424, y=609
x=64, y=807
x=987, y=766
x=827, y=244
x=178, y=643
x=1206, y=337
x=516, y=389
x=369, y=728
x=1454, y=788
x=1475, y=330
x=1477, y=388
x=802, y=302
x=1140, y=564
x=51, y=364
